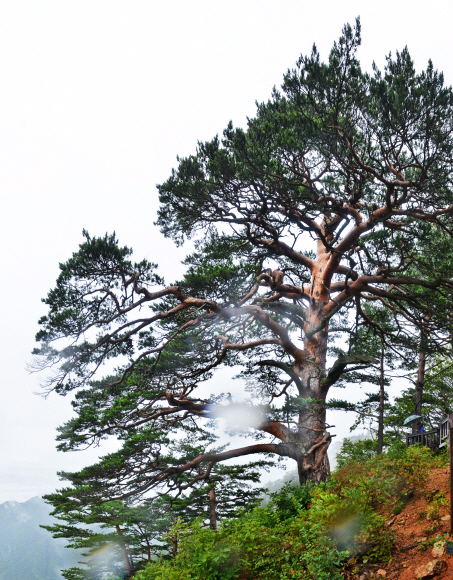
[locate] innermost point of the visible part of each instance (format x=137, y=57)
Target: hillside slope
x=423, y=521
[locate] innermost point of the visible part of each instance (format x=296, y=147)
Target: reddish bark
x=212, y=509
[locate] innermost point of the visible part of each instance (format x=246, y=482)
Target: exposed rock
x=430, y=569
x=409, y=547
x=438, y=550
x=429, y=495
x=446, y=518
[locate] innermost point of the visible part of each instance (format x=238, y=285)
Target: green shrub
x=356, y=451
x=389, y=478
x=290, y=500
x=277, y=542
x=306, y=532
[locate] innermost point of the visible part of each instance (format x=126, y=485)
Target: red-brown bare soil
x=415, y=534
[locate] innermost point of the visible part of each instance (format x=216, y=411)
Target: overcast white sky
x=97, y=98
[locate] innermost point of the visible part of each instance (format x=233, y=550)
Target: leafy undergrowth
x=327, y=532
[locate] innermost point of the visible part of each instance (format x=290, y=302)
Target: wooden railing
x=429, y=439
x=444, y=429
x=435, y=439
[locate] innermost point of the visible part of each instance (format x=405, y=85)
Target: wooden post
x=451, y=474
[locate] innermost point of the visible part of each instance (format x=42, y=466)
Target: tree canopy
x=337, y=194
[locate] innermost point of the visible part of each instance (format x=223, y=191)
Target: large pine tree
x=324, y=202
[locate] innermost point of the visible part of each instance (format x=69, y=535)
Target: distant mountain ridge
x=27, y=552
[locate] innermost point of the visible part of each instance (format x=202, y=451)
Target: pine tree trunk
x=312, y=444
x=148, y=551
x=312, y=439
x=420, y=383
x=127, y=563
x=212, y=509
x=380, y=440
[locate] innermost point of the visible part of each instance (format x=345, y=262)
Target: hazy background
x=97, y=98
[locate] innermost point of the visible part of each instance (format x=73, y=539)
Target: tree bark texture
x=420, y=383
x=212, y=509
x=312, y=439
x=380, y=440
